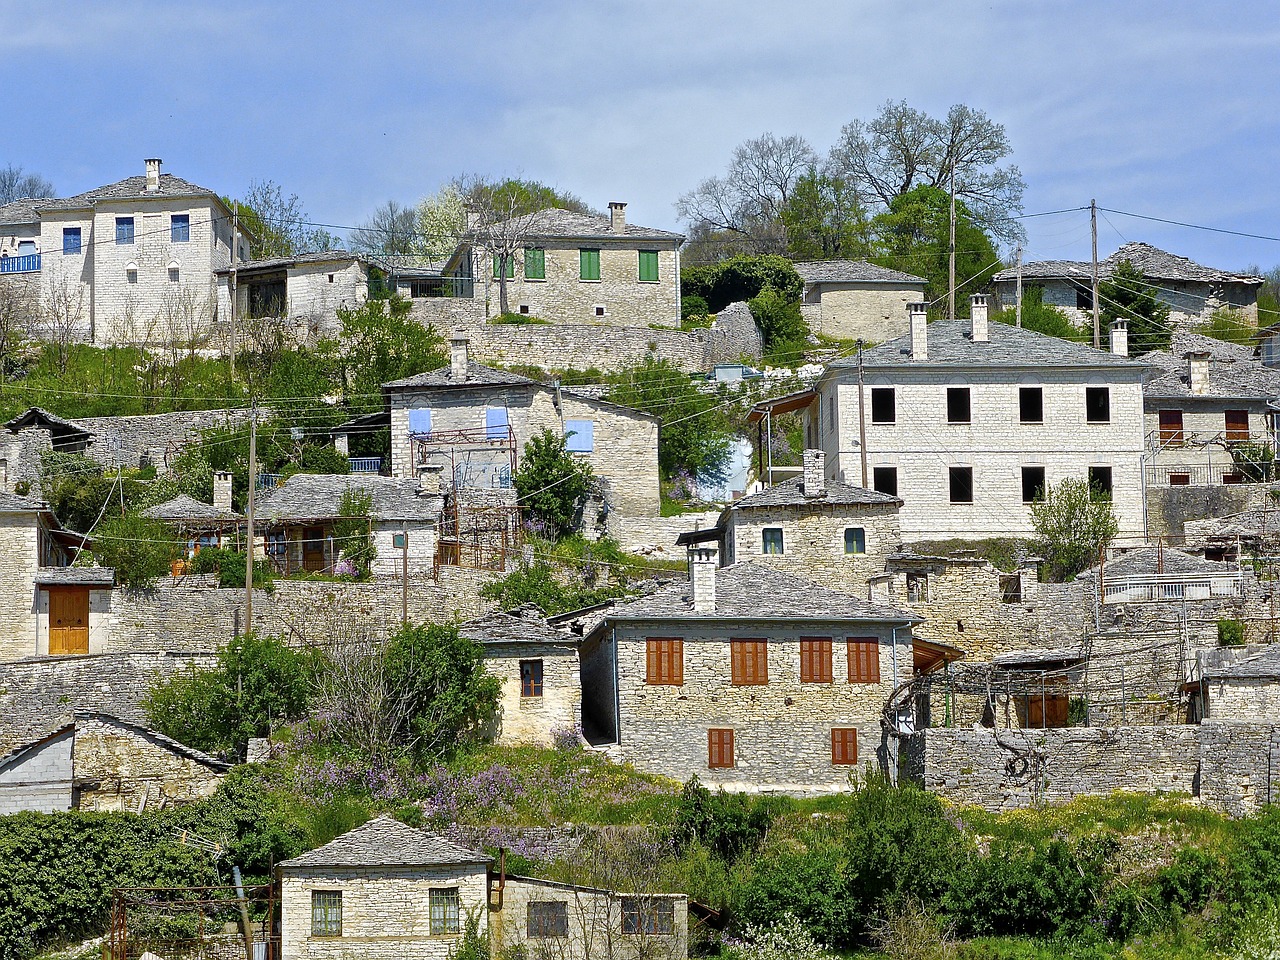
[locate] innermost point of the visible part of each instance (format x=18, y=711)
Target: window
x=326, y=913
x=180, y=228
x=589, y=264
x=664, y=661
x=131, y=273
x=885, y=480
x=771, y=540
x=815, y=660
x=1100, y=483
x=530, y=678
x=600, y=310
x=124, y=229
x=1179, y=479
x=70, y=240
x=1032, y=484
x=957, y=404
x=1010, y=588
x=648, y=266
x=882, y=405
x=444, y=904
x=844, y=746
x=495, y=423
x=855, y=540
x=535, y=263
x=420, y=420
x=719, y=754
x=1031, y=404
x=1171, y=426
x=331, y=278
x=1097, y=404
x=1084, y=298
x=175, y=273
x=1237, y=426
x=650, y=914
x=864, y=660
x=1233, y=478
x=547, y=919
x=499, y=262
x=580, y=436
x=961, y=483
x=749, y=662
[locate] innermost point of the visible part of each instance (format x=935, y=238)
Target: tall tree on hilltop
x=279, y=222
x=390, y=232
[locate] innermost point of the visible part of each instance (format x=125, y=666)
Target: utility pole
x=1093, y=228
x=1018, y=302
x=253, y=483
x=404, y=576
x=232, y=285
x=951, y=267
x=862, y=418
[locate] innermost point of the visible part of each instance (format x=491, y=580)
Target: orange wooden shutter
x=844, y=746
x=677, y=661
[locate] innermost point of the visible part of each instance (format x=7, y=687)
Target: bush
x=551, y=481
x=785, y=333
x=784, y=939
x=1037, y=316
x=1073, y=527
x=1230, y=632
x=355, y=532
x=729, y=824
x=808, y=883
x=141, y=550
x=1254, y=461
x=230, y=565
x=740, y=278
x=693, y=307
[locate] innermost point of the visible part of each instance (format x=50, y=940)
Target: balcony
x=368, y=465
x=1163, y=587
x=28, y=263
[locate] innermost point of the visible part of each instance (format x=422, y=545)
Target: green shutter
x=508, y=262
x=535, y=263
x=649, y=266
x=589, y=264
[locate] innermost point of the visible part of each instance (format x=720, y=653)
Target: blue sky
x=1166, y=109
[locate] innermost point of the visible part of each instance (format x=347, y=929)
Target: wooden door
x=68, y=620
x=313, y=549
x=1171, y=426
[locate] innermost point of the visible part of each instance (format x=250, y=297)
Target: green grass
x=518, y=320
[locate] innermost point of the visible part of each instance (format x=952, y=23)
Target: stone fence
x=657, y=535
x=1169, y=508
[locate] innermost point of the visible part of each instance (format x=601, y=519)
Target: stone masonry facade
x=873, y=312
x=118, y=767
x=556, y=707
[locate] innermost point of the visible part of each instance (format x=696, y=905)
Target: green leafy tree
x=1127, y=296
x=695, y=432
x=551, y=481
x=353, y=531
x=1042, y=318
x=740, y=278
x=449, y=697
x=824, y=220
x=782, y=327
x=139, y=549
x=1073, y=525
x=381, y=342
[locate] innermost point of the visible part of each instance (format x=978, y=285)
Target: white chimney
x=814, y=478
x=978, y=318
x=918, y=320
x=618, y=216
x=153, y=175
x=702, y=579
x=1198, y=372
x=222, y=490
x=458, y=359
x=1120, y=338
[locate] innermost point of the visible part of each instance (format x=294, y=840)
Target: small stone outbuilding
x=857, y=300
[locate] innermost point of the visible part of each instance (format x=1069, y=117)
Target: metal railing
x=1161, y=587
x=269, y=481
x=1203, y=475
x=27, y=263
x=1166, y=438
x=365, y=464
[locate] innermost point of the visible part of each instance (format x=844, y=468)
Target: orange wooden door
x=68, y=620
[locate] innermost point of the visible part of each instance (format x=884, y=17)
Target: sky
x=1167, y=110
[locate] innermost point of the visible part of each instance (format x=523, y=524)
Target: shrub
x=1230, y=632
x=230, y=565
x=354, y=531
x=1253, y=461
x=140, y=549
x=808, y=883
x=740, y=278
x=729, y=824
x=1072, y=527
x=785, y=333
x=551, y=481
x=786, y=938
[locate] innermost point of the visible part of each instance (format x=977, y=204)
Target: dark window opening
x=961, y=482
x=957, y=404
x=883, y=407
x=547, y=919
x=1100, y=483
x=1097, y=404
x=1033, y=480
x=530, y=678
x=1084, y=298
x=885, y=480
x=1031, y=404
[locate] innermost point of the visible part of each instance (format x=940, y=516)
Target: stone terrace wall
x=1012, y=769
x=123, y=441
x=1239, y=765
x=1169, y=508
x=657, y=535
x=119, y=767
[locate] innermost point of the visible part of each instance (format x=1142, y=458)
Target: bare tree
x=62, y=316
x=390, y=232
x=19, y=303
x=16, y=185
x=185, y=318
x=280, y=223
x=499, y=224
x=362, y=705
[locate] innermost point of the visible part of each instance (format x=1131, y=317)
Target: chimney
x=1120, y=338
x=1198, y=372
x=618, y=216
x=813, y=483
x=153, y=175
x=222, y=490
x=458, y=358
x=918, y=320
x=702, y=579
x=978, y=318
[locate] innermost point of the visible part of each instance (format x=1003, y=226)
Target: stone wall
x=657, y=535
x=1013, y=769
x=1244, y=699
x=20, y=457
x=19, y=555
x=1239, y=765
x=118, y=767
x=524, y=719
x=157, y=437
x=874, y=312
x=1169, y=509
x=39, y=780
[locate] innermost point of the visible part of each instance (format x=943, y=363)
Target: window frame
x=721, y=744
x=1036, y=488
x=125, y=231
x=1099, y=398
x=589, y=264
x=957, y=479
x=958, y=397
x=580, y=436
x=1235, y=433
x=1097, y=490
x=860, y=541
x=655, y=916
x=532, y=676
x=816, y=660
x=551, y=924
x=68, y=234
x=535, y=263
x=863, y=655
x=886, y=471
x=1025, y=395
x=749, y=661
x=660, y=672
x=420, y=411
x=499, y=262
x=842, y=738
x=649, y=257
x=322, y=916
x=449, y=923
x=766, y=545
x=878, y=417
x=179, y=228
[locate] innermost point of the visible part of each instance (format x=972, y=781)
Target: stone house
x=857, y=300
x=197, y=523
x=1192, y=291
x=134, y=261
x=1242, y=685
x=307, y=290
x=575, y=268
x=101, y=762
x=469, y=423
x=1208, y=413
x=386, y=890
x=19, y=236
x=748, y=678
x=968, y=421
x=538, y=666
x=300, y=516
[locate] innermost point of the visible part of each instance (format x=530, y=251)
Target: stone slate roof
x=950, y=344
x=1152, y=262
x=790, y=493
x=318, y=496
x=386, y=842
x=1234, y=374
x=1248, y=524
x=19, y=211
x=12, y=503
x=168, y=742
x=524, y=624
x=130, y=188
x=478, y=375
x=39, y=417
x=76, y=576
x=851, y=271
x=183, y=507
x=1146, y=560
x=318, y=256
x=1259, y=666
x=556, y=223
x=757, y=591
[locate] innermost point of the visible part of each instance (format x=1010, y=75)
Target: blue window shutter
x=580, y=436
x=495, y=423
x=420, y=420
x=180, y=228
x=124, y=229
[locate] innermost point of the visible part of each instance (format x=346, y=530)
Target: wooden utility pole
x=232, y=288
x=951, y=267
x=253, y=483
x=1093, y=227
x=1018, y=302
x=404, y=576
x=862, y=418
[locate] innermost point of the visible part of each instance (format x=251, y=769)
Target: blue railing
x=365, y=464
x=28, y=263
x=269, y=481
